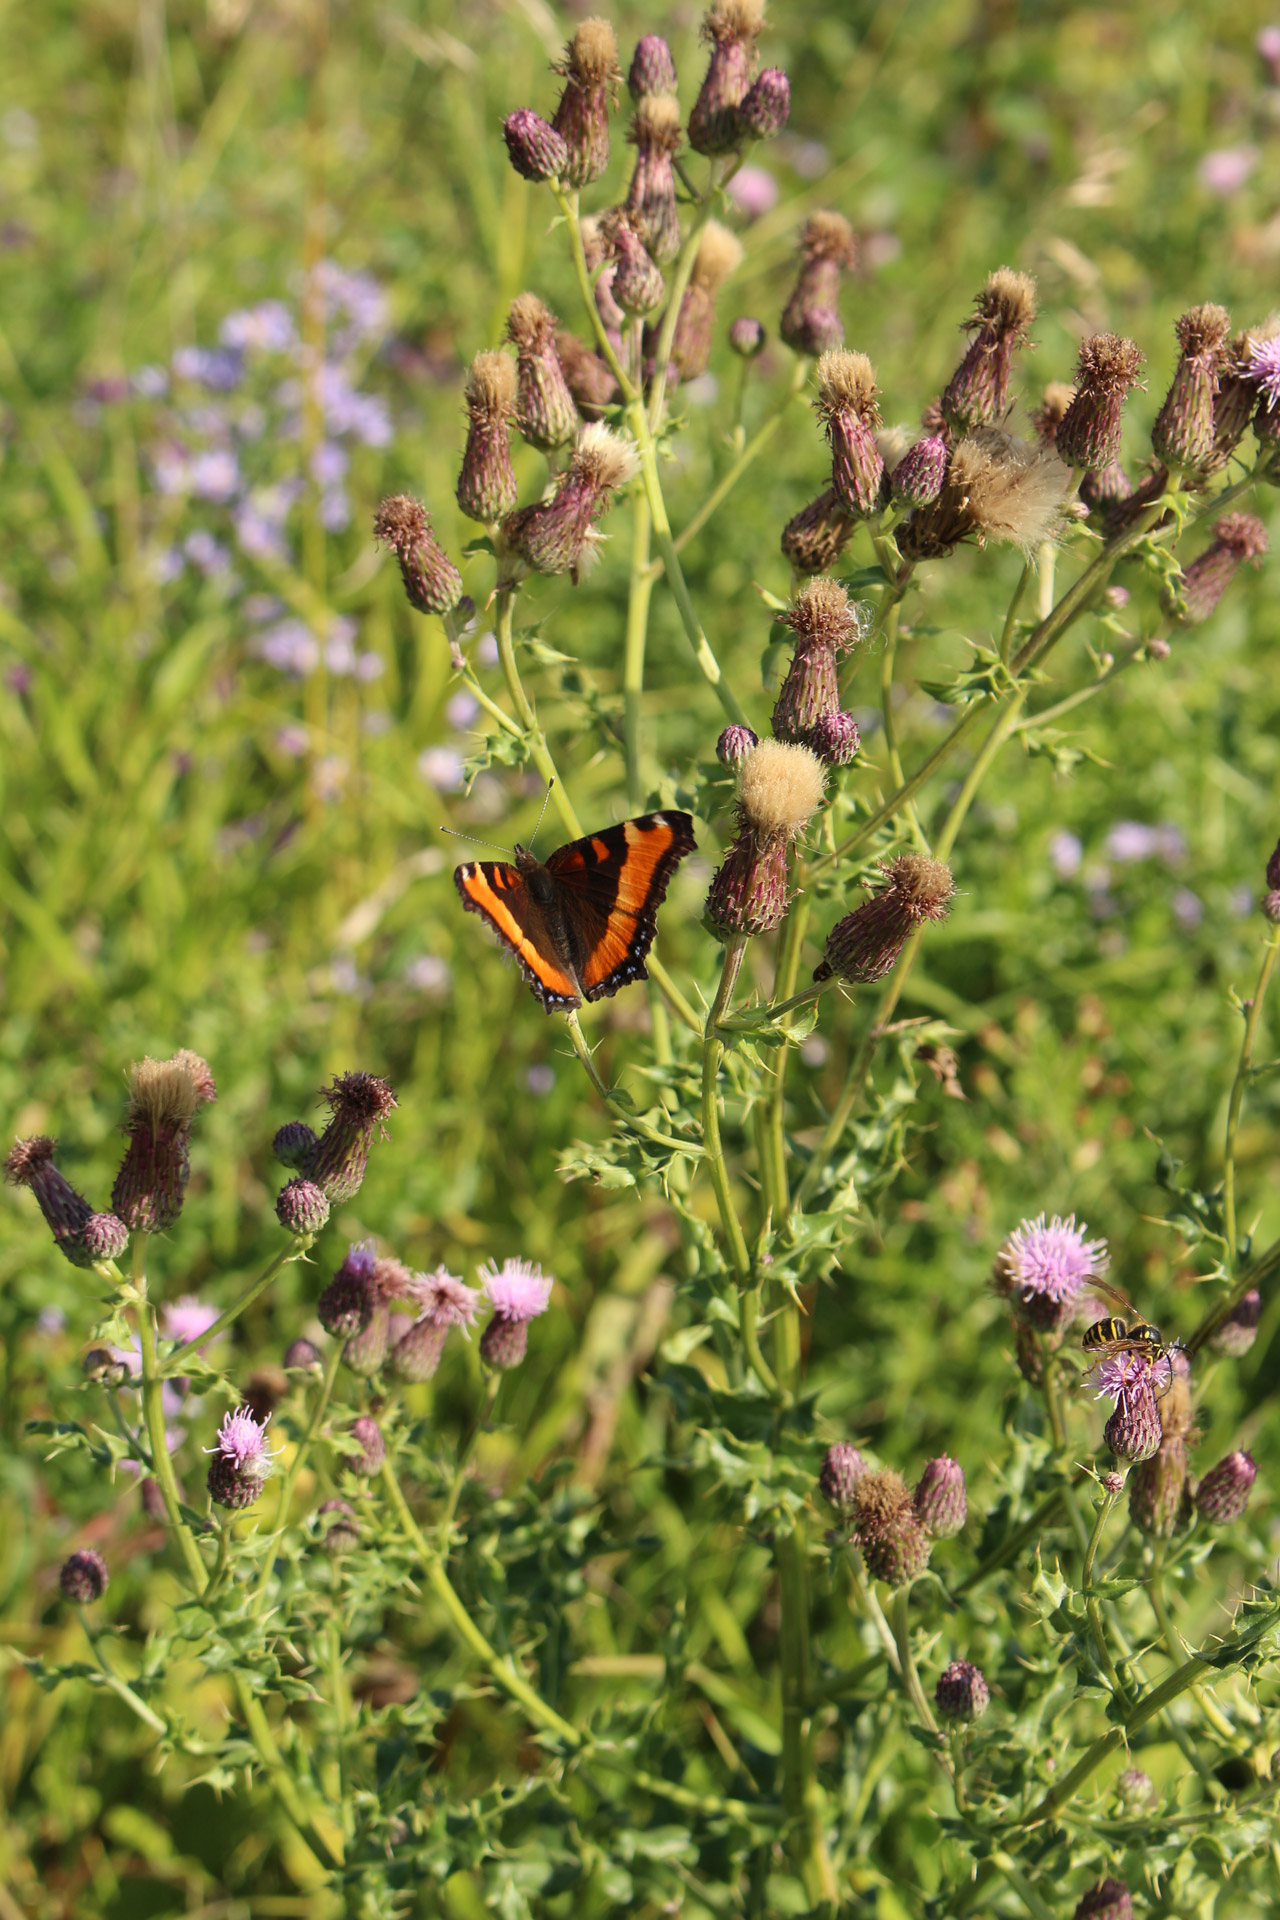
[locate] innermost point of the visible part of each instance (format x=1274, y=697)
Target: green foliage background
x=156, y=170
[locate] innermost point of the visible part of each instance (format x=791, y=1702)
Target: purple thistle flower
x=518, y=1290
x=1123, y=1376
x=442, y=1299
x=1045, y=1267
x=243, y=1440
x=1264, y=371
x=185, y=1319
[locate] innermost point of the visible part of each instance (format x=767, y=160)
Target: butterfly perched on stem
x=581, y=923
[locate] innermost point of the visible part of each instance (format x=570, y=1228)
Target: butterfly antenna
x=546, y=796
x=475, y=841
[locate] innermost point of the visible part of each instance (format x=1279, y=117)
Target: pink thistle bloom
x=1121, y=1375
x=442, y=1299
x=1264, y=369
x=186, y=1319
x=1053, y=1258
x=243, y=1441
x=519, y=1291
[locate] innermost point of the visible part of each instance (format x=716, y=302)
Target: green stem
x=888, y=661
x=762, y=1016
x=609, y=1094
x=801, y=1790
x=712, y=1055
x=1077, y=699
x=463, y=1461
x=639, y=594
x=749, y=1327
x=1236, y=1103
x=1175, y=1645
x=294, y=1468
x=901, y=1617
x=119, y=1687
x=855, y=1080
x=777, y=1193
x=1252, y=1276
x=1030, y=1899
x=977, y=773
x=175, y=1363
x=1093, y=1606
x=1011, y=617
x=538, y=749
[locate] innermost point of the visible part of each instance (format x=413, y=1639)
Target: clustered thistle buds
x=537, y=151
x=432, y=583
x=810, y=320
x=67, y=1213
x=518, y=1293
x=962, y=1694
x=302, y=1207
x=241, y=1461
x=294, y=1144
x=358, y=1105
x=1088, y=434
x=941, y=1501
x=651, y=197
x=847, y=406
x=83, y=1576
x=888, y=1530
x=842, y=1468
x=545, y=413
x=814, y=538
x=1241, y=537
x=559, y=535
x=1183, y=433
x=978, y=391
x=652, y=68
x=1108, y=1900
x=780, y=789
x=591, y=74
x=867, y=943
x=719, y=253
x=487, y=481
x=997, y=487
x=164, y=1097
x=916, y=481
x=1223, y=1494
x=732, y=28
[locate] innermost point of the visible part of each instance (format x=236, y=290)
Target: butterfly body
x=581, y=923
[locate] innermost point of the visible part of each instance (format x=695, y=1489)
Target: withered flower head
x=1182, y=436
x=558, y=535
x=431, y=581
x=825, y=626
x=487, y=482
x=67, y=1213
x=719, y=253
x=1241, y=538
x=847, y=406
x=1048, y=416
x=828, y=248
x=997, y=487
x=1088, y=433
x=164, y=1096
x=1159, y=1497
x=780, y=789
x=651, y=197
x=591, y=75
x=545, y=413
x=888, y=1530
x=977, y=393
x=814, y=538
x=358, y=1105
x=732, y=28
x=866, y=944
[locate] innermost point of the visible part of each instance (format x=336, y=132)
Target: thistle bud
x=164, y=1096
x=1113, y=1483
x=1088, y=434
x=962, y=1694
x=67, y=1213
x=558, y=535
x=941, y=1502
x=734, y=744
x=341, y=1528
x=293, y=1145
x=302, y=1355
x=651, y=197
x=1134, y=1431
x=867, y=943
x=825, y=626
x=487, y=481
x=589, y=378
x=346, y=1305
x=997, y=487
x=1239, y=1330
x=978, y=391
x=780, y=789
x=638, y=285
x=747, y=337
x=731, y=27
x=591, y=74
x=105, y=1237
x=1159, y=1501
x=842, y=1468
x=834, y=737
x=846, y=405
x=101, y=1365
x=373, y=1448
x=545, y=413
x=719, y=253
x=359, y=1104
x=652, y=69
x=814, y=538
x=1223, y=1494
x=1241, y=537
x=1237, y=396
x=1108, y=1900
x=887, y=1529
x=536, y=149
x=1135, y=1787
x=518, y=1293
x=1183, y=432
x=302, y=1207
x=366, y=1348
x=1107, y=488
x=241, y=1461
x=766, y=107
x=84, y=1576
x=917, y=479
x=827, y=249
x=432, y=583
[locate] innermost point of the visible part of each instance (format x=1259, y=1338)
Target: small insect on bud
x=780, y=789
x=302, y=1207
x=1134, y=1432
x=734, y=744
x=84, y=1576
x=917, y=479
x=962, y=1694
x=340, y=1528
x=432, y=583
x=518, y=1293
x=638, y=285
x=887, y=1529
x=846, y=405
x=842, y=1468
x=978, y=391
x=293, y=1145
x=834, y=737
x=359, y=1104
x=591, y=74
x=997, y=487
x=545, y=413
x=1182, y=436
x=559, y=535
x=301, y=1355
x=1088, y=434
x=536, y=149
x=657, y=137
x=747, y=337
x=164, y=1096
x=1158, y=1497
x=105, y=1237
x=828, y=248
x=1241, y=537
x=1135, y=1787
x=652, y=69
x=719, y=253
x=1108, y=1900
x=766, y=107
x=241, y=1461
x=867, y=943
x=814, y=538
x=67, y=1213
x=731, y=27
x=1239, y=1330
x=487, y=480
x=941, y=1502
x=1223, y=1494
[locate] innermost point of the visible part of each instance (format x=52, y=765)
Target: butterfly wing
x=609, y=887
x=497, y=892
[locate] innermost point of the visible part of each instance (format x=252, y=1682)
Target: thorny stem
x=801, y=1792
x=901, y=1615
x=1252, y=1016
x=1011, y=617
x=888, y=661
x=1251, y=1276
x=1176, y=1646
x=640, y=593
x=622, y=1115
x=1135, y=657
x=712, y=1055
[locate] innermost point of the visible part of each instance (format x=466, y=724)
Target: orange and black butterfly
x=581, y=923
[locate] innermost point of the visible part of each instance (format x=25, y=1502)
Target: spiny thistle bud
x=1107, y=489
x=766, y=107
x=1044, y=1268
x=780, y=789
x=443, y=1302
x=588, y=377
x=545, y=413
x=1236, y=400
x=846, y=405
x=1112, y=1483
x=827, y=249
x=346, y=1306
x=293, y=1144
x=302, y=1207
x=842, y=1468
x=359, y=1104
x=1223, y=1494
x=558, y=535
x=978, y=391
x=1241, y=537
x=67, y=1213
x=432, y=583
x=917, y=479
x=302, y=1355
x=84, y=1576
x=241, y=1461
x=719, y=253
x=1134, y=1432
x=518, y=1293
x=814, y=538
x=100, y=1364
x=867, y=943
x=825, y=626
x=164, y=1096
x=341, y=1528
x=941, y=1501
x=652, y=69
x=487, y=481
x=962, y=1694
x=1239, y=1330
x=732, y=28
x=997, y=487
x=536, y=149
x=747, y=337
x=638, y=285
x=591, y=74
x=834, y=737
x=887, y=1529
x=1183, y=433
x=1135, y=1787
x=1088, y=434
x=1108, y=1900
x=373, y=1448
x=1159, y=1501
x=657, y=136
x=105, y=1237
x=734, y=744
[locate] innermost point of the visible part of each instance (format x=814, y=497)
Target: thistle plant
x=977, y=1644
